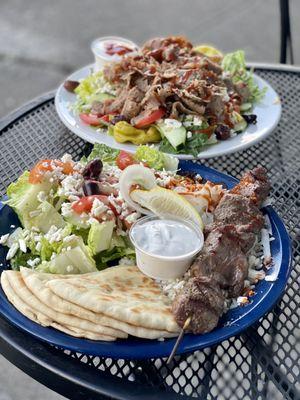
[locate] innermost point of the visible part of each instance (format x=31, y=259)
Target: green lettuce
x=193, y=145
x=235, y=64
x=23, y=197
x=119, y=248
x=156, y=159
x=105, y=153
x=74, y=257
x=92, y=88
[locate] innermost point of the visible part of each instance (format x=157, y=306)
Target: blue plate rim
x=140, y=348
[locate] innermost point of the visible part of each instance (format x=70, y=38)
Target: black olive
x=222, y=132
x=93, y=169
x=70, y=86
x=250, y=118
x=118, y=118
x=91, y=187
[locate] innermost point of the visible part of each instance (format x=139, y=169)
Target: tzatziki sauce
x=166, y=238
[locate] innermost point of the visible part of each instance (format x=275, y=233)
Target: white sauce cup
x=102, y=58
x=164, y=267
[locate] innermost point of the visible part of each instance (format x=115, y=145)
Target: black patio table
x=261, y=363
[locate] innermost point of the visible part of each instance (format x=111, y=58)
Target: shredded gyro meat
x=169, y=75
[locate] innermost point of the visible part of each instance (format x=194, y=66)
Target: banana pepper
x=124, y=132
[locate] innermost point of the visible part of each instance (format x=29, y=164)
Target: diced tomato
x=149, y=119
x=38, y=171
x=85, y=204
x=125, y=159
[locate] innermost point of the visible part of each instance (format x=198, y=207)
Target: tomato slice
x=125, y=159
x=38, y=171
x=208, y=131
x=150, y=118
x=90, y=119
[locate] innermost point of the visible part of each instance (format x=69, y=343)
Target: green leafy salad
x=73, y=217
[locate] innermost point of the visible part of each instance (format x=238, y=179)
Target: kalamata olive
x=70, y=86
x=91, y=187
x=118, y=118
x=250, y=118
x=222, y=132
x=93, y=169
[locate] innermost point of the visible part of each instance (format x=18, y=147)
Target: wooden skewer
x=180, y=336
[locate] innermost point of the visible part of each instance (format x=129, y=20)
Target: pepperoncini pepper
x=124, y=132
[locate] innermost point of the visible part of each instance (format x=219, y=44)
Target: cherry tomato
x=149, y=119
x=125, y=159
x=38, y=171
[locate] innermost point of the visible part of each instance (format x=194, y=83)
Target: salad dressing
x=167, y=238
x=111, y=49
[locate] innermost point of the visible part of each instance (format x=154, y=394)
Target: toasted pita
x=122, y=293
x=40, y=318
x=16, y=282
x=36, y=283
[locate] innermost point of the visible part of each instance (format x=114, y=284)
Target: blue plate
x=232, y=323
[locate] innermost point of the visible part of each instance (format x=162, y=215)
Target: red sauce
x=116, y=48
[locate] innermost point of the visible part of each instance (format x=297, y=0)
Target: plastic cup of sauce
x=165, y=248
x=111, y=49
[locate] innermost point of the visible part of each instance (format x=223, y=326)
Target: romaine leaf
x=23, y=197
x=235, y=64
x=156, y=159
x=105, y=153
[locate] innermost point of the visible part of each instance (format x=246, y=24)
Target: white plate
x=268, y=114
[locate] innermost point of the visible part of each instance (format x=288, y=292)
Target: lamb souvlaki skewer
x=219, y=271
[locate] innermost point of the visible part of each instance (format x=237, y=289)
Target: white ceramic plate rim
x=268, y=113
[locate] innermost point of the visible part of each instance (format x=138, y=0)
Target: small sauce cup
x=111, y=49
x=159, y=266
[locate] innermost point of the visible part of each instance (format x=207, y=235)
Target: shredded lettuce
x=234, y=63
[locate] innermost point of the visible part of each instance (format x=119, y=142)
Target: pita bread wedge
x=36, y=283
x=41, y=319
x=123, y=293
x=16, y=282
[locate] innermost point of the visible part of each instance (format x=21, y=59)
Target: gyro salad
x=169, y=92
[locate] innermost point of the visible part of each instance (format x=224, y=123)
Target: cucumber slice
x=176, y=135
x=246, y=107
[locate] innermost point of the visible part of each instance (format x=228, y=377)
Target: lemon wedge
x=166, y=203
x=209, y=51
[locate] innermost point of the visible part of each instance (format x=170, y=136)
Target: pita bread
x=122, y=293
x=36, y=283
x=18, y=285
x=40, y=318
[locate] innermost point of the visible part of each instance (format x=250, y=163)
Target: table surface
x=261, y=363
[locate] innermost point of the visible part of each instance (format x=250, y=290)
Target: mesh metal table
x=262, y=363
